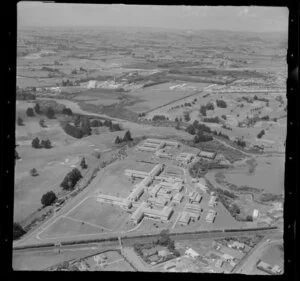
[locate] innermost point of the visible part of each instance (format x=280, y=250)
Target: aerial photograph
x=150, y=138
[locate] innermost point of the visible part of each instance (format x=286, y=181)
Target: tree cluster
x=96, y=123
x=211, y=119
x=127, y=137
x=67, y=111
x=240, y=143
x=36, y=143
x=50, y=113
x=71, y=179
x=186, y=116
x=221, y=103
x=156, y=118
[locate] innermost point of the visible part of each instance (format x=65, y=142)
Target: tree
x=77, y=121
x=17, y=157
x=86, y=127
x=177, y=126
x=46, y=144
x=18, y=231
x=115, y=127
x=83, y=164
x=260, y=134
x=37, y=108
x=35, y=143
x=48, y=198
x=187, y=117
x=127, y=136
x=203, y=110
x=42, y=123
x=249, y=218
x=50, y=113
x=118, y=140
x=191, y=129
x=33, y=172
x=20, y=121
x=210, y=106
x=30, y=112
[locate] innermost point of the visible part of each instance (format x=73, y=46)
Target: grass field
x=100, y=214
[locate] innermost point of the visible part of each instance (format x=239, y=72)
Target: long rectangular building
x=164, y=214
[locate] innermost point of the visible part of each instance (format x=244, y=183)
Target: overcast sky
x=258, y=19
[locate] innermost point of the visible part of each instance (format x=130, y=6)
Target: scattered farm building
x=185, y=218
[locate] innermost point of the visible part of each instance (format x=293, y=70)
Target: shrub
x=212, y=119
x=241, y=143
x=46, y=144
x=115, y=127
x=191, y=130
x=48, y=198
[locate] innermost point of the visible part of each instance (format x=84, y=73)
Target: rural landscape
x=150, y=149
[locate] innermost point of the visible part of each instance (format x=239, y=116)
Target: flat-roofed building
x=148, y=149
x=194, y=197
x=178, y=197
x=185, y=157
x=136, y=193
x=164, y=214
x=161, y=202
x=219, y=263
x=212, y=201
x=193, y=207
x=195, y=216
x=153, y=190
x=192, y=253
x=237, y=245
x=156, y=170
x=134, y=173
x=211, y=215
x=185, y=218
